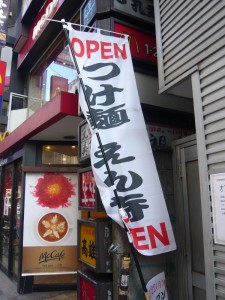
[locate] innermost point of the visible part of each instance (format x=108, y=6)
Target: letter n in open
x=162, y=236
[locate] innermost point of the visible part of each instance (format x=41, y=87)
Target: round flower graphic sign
x=53, y=190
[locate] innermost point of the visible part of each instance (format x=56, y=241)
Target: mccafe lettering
x=54, y=255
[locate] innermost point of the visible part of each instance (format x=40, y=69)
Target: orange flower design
x=53, y=190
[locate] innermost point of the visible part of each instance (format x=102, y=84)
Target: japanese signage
x=88, y=244
x=143, y=10
x=163, y=135
x=142, y=45
x=88, y=190
x=217, y=182
x=89, y=198
x=94, y=240
x=4, y=13
x=157, y=287
x=88, y=11
x=107, y=72
x=84, y=141
x=50, y=231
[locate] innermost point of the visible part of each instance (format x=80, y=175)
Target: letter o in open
x=78, y=47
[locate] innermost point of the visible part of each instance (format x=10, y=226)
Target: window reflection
x=17, y=211
x=6, y=216
x=60, y=154
x=55, y=74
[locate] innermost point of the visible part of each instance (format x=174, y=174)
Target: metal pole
x=133, y=250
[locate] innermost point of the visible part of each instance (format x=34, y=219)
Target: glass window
x=6, y=215
x=59, y=154
x=56, y=73
x=17, y=212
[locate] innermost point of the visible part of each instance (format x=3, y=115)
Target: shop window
x=59, y=155
x=54, y=74
x=6, y=215
x=16, y=220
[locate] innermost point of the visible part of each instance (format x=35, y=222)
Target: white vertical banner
x=107, y=72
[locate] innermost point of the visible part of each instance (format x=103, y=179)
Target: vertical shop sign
x=4, y=14
x=106, y=70
x=2, y=80
x=87, y=245
x=50, y=233
x=217, y=182
x=84, y=141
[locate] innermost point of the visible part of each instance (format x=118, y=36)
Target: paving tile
x=8, y=291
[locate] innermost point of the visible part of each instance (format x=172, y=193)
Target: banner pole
x=133, y=250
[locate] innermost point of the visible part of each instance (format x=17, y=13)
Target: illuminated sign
x=88, y=194
x=142, y=45
x=94, y=240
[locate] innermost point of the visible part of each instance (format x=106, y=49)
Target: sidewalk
x=8, y=291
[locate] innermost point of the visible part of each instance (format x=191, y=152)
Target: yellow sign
x=87, y=245
x=3, y=135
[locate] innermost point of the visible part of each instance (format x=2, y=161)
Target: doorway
x=191, y=265
x=10, y=218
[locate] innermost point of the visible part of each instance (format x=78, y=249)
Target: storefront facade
x=49, y=84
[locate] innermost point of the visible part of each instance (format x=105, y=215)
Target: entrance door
x=10, y=219
x=191, y=270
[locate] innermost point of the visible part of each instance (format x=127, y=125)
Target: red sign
x=2, y=76
x=88, y=187
x=142, y=45
x=40, y=23
x=87, y=290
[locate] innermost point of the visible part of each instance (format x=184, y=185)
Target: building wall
x=209, y=97
x=190, y=41
x=187, y=32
